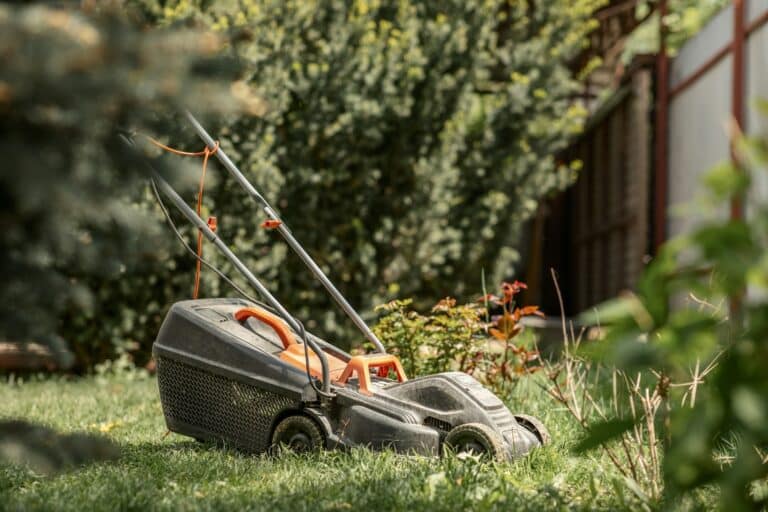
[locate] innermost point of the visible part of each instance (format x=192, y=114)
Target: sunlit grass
x=171, y=472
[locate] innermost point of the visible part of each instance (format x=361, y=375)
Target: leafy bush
x=461, y=337
x=404, y=142
x=723, y=437
x=444, y=340
x=509, y=355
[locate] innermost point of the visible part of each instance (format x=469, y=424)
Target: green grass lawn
x=171, y=472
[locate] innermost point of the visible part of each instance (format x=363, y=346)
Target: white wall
x=697, y=50
x=699, y=114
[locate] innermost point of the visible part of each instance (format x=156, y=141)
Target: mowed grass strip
x=170, y=472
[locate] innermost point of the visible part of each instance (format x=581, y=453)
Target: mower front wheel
x=475, y=439
x=298, y=434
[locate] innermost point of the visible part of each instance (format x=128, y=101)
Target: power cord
x=221, y=274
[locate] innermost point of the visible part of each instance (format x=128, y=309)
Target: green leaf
x=635, y=354
x=627, y=309
x=603, y=432
x=725, y=181
x=749, y=407
x=730, y=249
x=607, y=313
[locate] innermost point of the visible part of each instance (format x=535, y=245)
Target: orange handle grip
x=274, y=321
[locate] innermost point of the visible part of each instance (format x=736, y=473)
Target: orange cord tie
x=271, y=224
x=206, y=154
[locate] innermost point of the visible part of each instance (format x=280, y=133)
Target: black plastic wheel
x=475, y=439
x=298, y=434
x=534, y=425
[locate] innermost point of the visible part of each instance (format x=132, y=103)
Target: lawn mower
x=245, y=373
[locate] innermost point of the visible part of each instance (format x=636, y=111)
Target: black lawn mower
x=245, y=373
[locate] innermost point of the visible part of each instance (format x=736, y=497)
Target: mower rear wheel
x=475, y=439
x=535, y=426
x=298, y=434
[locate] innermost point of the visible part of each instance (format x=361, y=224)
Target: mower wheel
x=298, y=434
x=535, y=426
x=475, y=439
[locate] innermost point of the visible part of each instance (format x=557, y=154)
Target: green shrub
x=404, y=142
x=444, y=340
x=463, y=338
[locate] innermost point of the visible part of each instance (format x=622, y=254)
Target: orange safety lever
x=362, y=366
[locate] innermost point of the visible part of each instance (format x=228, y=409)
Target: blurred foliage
x=75, y=229
x=467, y=338
x=45, y=451
x=404, y=142
x=723, y=438
x=684, y=19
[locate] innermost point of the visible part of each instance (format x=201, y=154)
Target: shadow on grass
x=190, y=475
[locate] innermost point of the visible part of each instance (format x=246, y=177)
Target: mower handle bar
x=200, y=224
x=287, y=235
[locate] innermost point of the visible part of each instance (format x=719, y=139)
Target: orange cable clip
x=271, y=223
